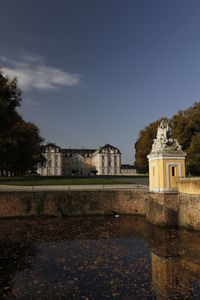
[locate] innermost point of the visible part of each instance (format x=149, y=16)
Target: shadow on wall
x=77, y=165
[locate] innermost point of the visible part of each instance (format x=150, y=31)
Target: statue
x=163, y=130
x=163, y=142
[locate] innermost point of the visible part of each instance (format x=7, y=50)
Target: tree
x=20, y=141
x=186, y=124
x=143, y=146
x=185, y=127
x=27, y=147
x=193, y=156
x=10, y=98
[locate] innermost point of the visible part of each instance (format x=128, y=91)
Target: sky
x=94, y=72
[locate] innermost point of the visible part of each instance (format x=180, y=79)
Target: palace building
x=105, y=160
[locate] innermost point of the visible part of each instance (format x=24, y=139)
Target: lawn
x=37, y=180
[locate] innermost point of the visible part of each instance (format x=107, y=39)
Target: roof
x=126, y=166
x=79, y=151
x=108, y=147
x=50, y=145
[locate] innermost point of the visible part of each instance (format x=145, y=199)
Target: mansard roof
x=82, y=151
x=126, y=166
x=108, y=147
x=79, y=151
x=51, y=145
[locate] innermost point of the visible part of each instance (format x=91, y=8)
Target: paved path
x=94, y=187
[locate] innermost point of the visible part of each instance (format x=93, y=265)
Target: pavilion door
x=173, y=176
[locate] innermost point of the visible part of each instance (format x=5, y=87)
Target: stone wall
x=72, y=203
x=162, y=208
x=181, y=208
x=189, y=211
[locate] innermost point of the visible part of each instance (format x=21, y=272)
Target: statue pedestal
x=166, y=161
x=165, y=167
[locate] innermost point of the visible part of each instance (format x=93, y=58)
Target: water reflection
x=97, y=258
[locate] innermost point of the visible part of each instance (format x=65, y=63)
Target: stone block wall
x=72, y=203
x=162, y=209
x=189, y=211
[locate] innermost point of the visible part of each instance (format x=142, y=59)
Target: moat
x=97, y=258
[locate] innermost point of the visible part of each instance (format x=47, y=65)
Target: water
x=97, y=258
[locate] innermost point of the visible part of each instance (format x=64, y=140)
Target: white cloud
x=33, y=73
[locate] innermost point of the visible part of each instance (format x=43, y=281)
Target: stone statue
x=163, y=130
x=163, y=142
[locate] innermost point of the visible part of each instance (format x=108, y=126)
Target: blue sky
x=97, y=71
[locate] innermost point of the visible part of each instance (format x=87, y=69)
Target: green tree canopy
x=20, y=141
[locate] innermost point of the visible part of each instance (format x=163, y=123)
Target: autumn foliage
x=185, y=127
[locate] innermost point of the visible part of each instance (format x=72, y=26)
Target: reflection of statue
x=163, y=142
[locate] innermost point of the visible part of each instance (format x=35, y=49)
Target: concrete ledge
x=189, y=185
x=95, y=187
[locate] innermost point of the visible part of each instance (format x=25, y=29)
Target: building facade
x=105, y=160
x=128, y=170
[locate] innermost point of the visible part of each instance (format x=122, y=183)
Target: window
x=49, y=163
x=56, y=160
x=173, y=171
x=153, y=171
